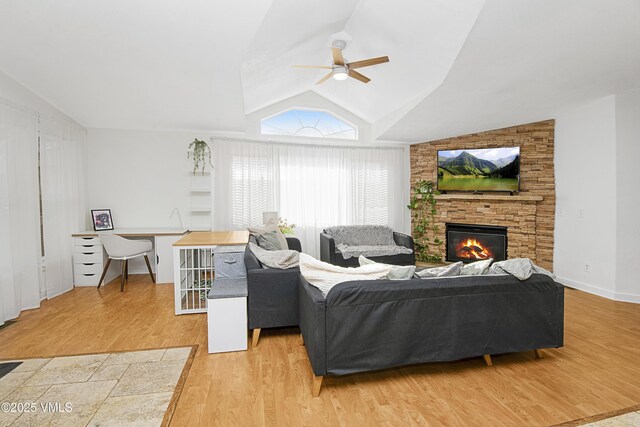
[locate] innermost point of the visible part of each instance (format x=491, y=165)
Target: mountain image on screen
x=489, y=169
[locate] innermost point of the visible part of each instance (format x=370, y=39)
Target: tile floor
x=632, y=419
x=131, y=388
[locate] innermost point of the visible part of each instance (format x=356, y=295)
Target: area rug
x=125, y=388
x=627, y=417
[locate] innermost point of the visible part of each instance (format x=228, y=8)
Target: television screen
x=486, y=169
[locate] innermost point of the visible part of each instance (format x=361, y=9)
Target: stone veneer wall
x=530, y=223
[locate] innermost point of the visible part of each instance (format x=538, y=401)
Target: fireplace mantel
x=506, y=198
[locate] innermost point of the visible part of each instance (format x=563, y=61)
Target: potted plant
x=425, y=226
x=285, y=227
x=201, y=155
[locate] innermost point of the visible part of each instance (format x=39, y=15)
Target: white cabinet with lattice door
x=194, y=272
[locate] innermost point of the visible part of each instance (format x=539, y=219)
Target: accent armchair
x=272, y=293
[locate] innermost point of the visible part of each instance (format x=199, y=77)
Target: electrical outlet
x=587, y=267
x=580, y=213
x=560, y=212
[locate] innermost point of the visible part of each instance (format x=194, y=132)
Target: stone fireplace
x=469, y=243
x=528, y=215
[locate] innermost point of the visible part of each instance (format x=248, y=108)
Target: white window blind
x=311, y=186
x=252, y=189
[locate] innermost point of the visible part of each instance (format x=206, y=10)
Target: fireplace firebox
x=469, y=243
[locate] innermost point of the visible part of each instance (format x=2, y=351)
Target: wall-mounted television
x=485, y=169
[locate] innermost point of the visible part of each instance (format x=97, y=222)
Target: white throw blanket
x=325, y=276
x=282, y=259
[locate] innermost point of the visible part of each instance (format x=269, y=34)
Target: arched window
x=308, y=124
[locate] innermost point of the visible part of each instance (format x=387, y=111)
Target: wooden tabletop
x=136, y=232
x=214, y=238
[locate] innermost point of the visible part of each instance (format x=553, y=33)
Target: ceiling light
x=340, y=73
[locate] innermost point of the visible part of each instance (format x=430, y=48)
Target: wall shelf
x=490, y=197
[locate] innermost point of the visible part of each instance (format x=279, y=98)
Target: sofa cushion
x=361, y=235
x=372, y=251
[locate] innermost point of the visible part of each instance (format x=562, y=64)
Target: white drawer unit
x=80, y=279
x=86, y=241
x=88, y=261
x=86, y=268
x=88, y=257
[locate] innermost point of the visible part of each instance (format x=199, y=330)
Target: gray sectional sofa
x=370, y=325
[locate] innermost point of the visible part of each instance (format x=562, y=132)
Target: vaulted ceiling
x=456, y=66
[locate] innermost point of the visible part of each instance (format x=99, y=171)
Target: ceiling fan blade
x=338, y=59
x=312, y=66
x=325, y=78
x=356, y=75
x=368, y=62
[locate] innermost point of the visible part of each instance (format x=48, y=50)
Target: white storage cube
x=227, y=324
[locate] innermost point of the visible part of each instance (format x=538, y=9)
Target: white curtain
x=19, y=213
x=311, y=186
x=63, y=152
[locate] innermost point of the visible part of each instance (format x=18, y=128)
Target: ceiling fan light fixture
x=340, y=73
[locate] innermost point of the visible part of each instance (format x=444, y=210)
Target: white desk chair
x=124, y=249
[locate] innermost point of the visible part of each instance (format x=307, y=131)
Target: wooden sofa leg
x=301, y=339
x=487, y=359
x=538, y=353
x=317, y=384
x=255, y=337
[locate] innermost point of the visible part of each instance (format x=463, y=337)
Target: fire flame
x=472, y=249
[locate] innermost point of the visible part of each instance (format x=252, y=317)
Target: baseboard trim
x=627, y=297
x=606, y=293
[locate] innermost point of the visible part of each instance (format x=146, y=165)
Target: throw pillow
x=447, y=270
x=325, y=276
x=260, y=230
x=476, y=268
x=269, y=241
x=397, y=272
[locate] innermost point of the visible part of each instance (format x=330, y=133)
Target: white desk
x=89, y=257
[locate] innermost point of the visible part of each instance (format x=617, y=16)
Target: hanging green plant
x=425, y=228
x=201, y=155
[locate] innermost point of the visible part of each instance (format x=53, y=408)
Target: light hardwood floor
x=597, y=371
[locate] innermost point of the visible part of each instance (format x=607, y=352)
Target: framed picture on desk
x=101, y=219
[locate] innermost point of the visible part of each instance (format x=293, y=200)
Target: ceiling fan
x=341, y=70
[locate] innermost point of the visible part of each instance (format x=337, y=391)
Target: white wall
x=597, y=148
x=141, y=176
x=585, y=159
x=13, y=91
x=628, y=195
